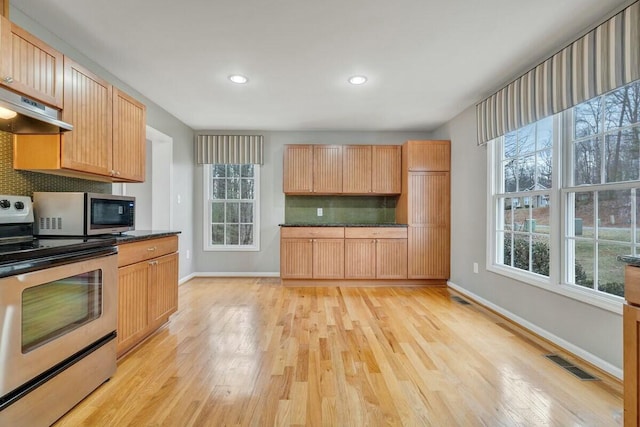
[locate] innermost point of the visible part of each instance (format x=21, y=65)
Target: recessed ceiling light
x=357, y=80
x=237, y=78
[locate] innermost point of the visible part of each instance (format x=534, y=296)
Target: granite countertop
x=629, y=259
x=135, y=235
x=342, y=225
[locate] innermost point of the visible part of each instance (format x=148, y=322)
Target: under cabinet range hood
x=22, y=115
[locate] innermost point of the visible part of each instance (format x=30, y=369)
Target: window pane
x=587, y=118
x=246, y=212
x=614, y=215
x=540, y=255
x=610, y=270
x=584, y=214
x=510, y=171
x=247, y=189
x=232, y=213
x=233, y=171
x=218, y=171
x=587, y=156
x=526, y=173
x=545, y=167
x=217, y=234
x=584, y=262
x=507, y=214
x=539, y=222
x=219, y=189
x=521, y=250
x=527, y=139
x=233, y=188
x=508, y=248
x=246, y=234
x=217, y=212
x=232, y=234
x=622, y=106
x=544, y=137
x=510, y=145
x=247, y=170
x=520, y=212
x=621, y=155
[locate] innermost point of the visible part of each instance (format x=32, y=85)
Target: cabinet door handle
x=153, y=263
x=8, y=80
x=151, y=249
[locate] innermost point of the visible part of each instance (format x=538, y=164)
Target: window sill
x=610, y=303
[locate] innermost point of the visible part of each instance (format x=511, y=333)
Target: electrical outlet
x=320, y=213
x=475, y=267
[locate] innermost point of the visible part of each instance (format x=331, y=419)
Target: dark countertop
x=630, y=259
x=133, y=236
x=342, y=225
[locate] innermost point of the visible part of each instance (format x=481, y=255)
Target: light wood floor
x=250, y=352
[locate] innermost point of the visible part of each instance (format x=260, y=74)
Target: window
x=588, y=214
x=232, y=208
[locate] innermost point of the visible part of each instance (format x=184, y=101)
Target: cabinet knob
x=8, y=80
x=118, y=173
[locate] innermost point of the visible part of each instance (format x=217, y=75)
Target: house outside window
x=232, y=207
x=563, y=197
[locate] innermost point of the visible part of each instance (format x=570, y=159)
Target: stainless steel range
x=58, y=308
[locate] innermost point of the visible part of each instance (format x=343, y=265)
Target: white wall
x=590, y=332
x=158, y=118
x=267, y=260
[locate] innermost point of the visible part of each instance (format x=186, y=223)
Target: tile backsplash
x=340, y=209
x=24, y=183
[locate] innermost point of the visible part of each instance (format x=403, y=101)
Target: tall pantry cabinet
x=424, y=205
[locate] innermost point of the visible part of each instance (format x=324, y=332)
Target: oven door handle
x=28, y=265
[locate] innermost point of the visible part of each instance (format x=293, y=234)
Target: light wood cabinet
x=631, y=346
x=129, y=137
x=108, y=140
x=88, y=105
x=147, y=288
x=312, y=252
x=29, y=66
x=386, y=176
x=351, y=253
x=424, y=205
x=371, y=169
x=342, y=169
x=327, y=169
x=298, y=169
x=356, y=169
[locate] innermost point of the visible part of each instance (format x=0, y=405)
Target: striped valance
x=231, y=149
x=604, y=59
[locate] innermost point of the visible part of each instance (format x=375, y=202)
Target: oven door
x=49, y=315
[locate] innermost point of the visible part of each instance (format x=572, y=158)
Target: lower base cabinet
x=147, y=288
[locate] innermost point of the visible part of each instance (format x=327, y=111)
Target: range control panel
x=15, y=209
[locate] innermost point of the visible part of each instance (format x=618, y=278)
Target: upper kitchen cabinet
x=371, y=169
x=428, y=156
x=298, y=169
x=29, y=66
x=312, y=169
x=107, y=142
x=88, y=105
x=327, y=169
x=129, y=137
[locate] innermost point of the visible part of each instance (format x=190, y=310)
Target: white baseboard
x=560, y=342
x=185, y=279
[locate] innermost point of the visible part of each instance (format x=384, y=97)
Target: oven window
x=53, y=309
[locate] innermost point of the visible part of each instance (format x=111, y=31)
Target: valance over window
x=229, y=149
x=604, y=59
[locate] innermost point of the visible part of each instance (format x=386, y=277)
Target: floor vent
x=570, y=367
x=460, y=300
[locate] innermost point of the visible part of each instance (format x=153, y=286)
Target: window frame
x=207, y=204
x=558, y=213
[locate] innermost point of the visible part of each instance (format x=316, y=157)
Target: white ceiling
x=426, y=60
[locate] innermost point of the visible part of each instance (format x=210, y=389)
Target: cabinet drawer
x=375, y=233
x=312, y=232
x=130, y=253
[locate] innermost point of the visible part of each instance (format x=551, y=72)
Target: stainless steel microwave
x=82, y=214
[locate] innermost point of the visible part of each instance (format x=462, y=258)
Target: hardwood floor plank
x=249, y=352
